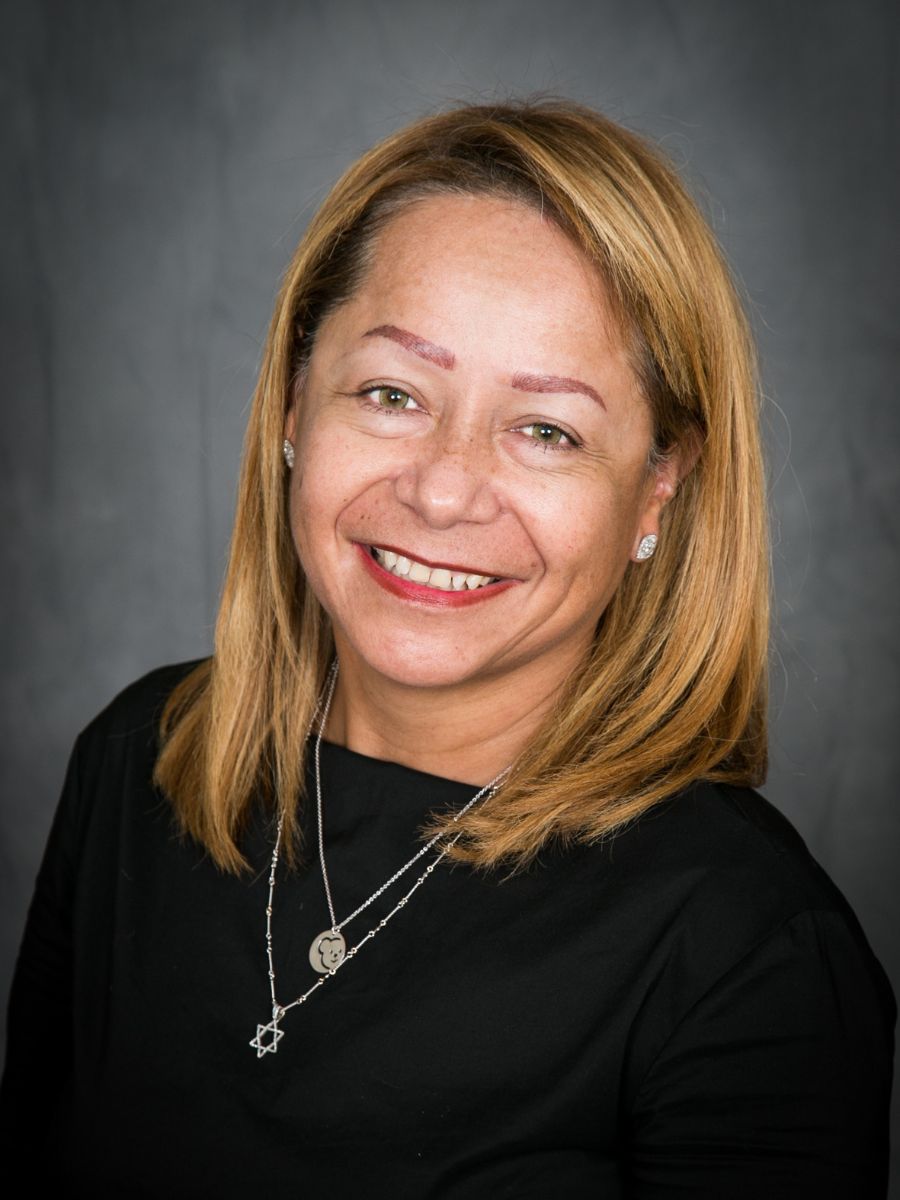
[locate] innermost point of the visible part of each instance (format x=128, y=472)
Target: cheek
x=588, y=529
x=316, y=494
x=586, y=537
x=323, y=470
x=337, y=489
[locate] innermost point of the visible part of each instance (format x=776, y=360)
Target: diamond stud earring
x=289, y=454
x=646, y=548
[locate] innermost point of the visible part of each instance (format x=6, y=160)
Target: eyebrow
x=522, y=381
x=554, y=383
x=418, y=345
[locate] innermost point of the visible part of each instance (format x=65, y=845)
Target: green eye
x=392, y=398
x=547, y=435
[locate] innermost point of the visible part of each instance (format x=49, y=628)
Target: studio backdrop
x=161, y=160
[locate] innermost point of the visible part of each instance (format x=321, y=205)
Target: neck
x=465, y=732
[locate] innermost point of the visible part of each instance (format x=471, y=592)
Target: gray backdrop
x=163, y=158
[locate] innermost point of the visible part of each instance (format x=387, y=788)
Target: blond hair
x=674, y=688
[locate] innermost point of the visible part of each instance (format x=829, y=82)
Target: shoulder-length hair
x=674, y=687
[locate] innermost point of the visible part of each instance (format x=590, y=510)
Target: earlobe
x=665, y=485
x=287, y=445
x=290, y=422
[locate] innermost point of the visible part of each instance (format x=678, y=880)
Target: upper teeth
x=436, y=577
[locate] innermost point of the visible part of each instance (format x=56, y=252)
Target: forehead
x=493, y=228
x=463, y=261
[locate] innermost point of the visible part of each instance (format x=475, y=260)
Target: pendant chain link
x=278, y=1010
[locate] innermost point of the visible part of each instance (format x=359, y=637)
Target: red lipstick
x=407, y=589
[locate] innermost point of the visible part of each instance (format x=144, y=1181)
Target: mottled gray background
x=163, y=158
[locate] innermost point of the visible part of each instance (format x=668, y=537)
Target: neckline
x=353, y=760
x=361, y=792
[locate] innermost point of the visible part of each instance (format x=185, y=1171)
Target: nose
x=448, y=479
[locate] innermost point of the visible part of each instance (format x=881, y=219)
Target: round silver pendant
x=327, y=951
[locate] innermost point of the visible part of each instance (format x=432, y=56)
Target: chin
x=410, y=663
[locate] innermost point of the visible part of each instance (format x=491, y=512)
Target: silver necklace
x=328, y=952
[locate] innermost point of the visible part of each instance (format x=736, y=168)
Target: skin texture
x=471, y=406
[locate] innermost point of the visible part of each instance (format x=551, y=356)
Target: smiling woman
x=439, y=448
x=497, y=596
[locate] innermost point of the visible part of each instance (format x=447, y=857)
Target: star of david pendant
x=259, y=1044
x=327, y=951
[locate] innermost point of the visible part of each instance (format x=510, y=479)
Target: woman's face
x=471, y=470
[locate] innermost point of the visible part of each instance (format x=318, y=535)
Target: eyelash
x=368, y=394
x=567, y=441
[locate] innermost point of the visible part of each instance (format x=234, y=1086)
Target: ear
x=688, y=450
x=290, y=418
x=290, y=422
x=662, y=485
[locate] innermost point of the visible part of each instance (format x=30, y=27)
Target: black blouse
x=689, y=1009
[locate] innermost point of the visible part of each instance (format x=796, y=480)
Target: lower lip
x=421, y=593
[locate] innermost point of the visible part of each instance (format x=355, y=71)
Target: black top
x=687, y=1010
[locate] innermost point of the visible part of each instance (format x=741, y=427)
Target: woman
x=498, y=572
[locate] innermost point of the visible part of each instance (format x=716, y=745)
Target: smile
x=441, y=578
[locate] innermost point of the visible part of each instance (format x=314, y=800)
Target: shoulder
x=128, y=726
x=728, y=847
x=138, y=707
x=108, y=786
x=742, y=937
x=768, y=1001
x=716, y=880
